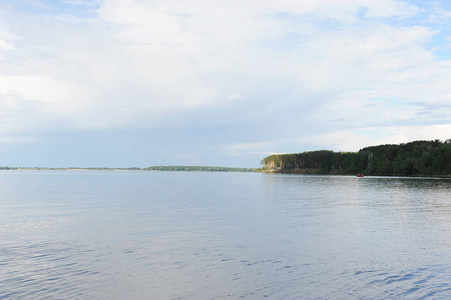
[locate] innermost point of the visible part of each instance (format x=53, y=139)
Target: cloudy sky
x=121, y=83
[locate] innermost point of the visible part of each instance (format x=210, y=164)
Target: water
x=171, y=235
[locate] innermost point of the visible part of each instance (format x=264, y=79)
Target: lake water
x=176, y=235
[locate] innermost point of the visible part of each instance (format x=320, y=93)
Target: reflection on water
x=163, y=235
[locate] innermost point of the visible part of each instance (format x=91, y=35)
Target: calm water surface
x=175, y=235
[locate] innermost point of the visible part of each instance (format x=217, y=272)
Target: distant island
x=153, y=168
x=418, y=158
x=199, y=169
x=70, y=169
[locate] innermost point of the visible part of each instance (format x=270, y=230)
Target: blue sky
x=121, y=83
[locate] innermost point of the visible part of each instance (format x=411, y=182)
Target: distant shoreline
x=69, y=169
x=153, y=168
x=216, y=169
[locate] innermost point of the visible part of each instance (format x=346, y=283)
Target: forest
x=418, y=158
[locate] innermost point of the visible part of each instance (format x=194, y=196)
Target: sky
x=138, y=83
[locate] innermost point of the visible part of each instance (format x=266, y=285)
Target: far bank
x=418, y=158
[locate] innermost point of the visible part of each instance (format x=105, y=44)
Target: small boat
x=359, y=175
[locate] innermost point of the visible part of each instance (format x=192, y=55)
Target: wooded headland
x=418, y=158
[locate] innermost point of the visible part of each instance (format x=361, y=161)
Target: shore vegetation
x=418, y=158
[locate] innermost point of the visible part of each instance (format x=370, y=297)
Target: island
x=199, y=169
x=152, y=168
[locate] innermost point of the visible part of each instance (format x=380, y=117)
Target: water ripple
x=110, y=235
x=38, y=271
x=429, y=282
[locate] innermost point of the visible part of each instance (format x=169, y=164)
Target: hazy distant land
x=199, y=169
x=153, y=168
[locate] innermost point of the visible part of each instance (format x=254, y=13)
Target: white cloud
x=274, y=66
x=6, y=45
x=7, y=40
x=439, y=14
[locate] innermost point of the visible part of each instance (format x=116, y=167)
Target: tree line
x=410, y=159
x=199, y=169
